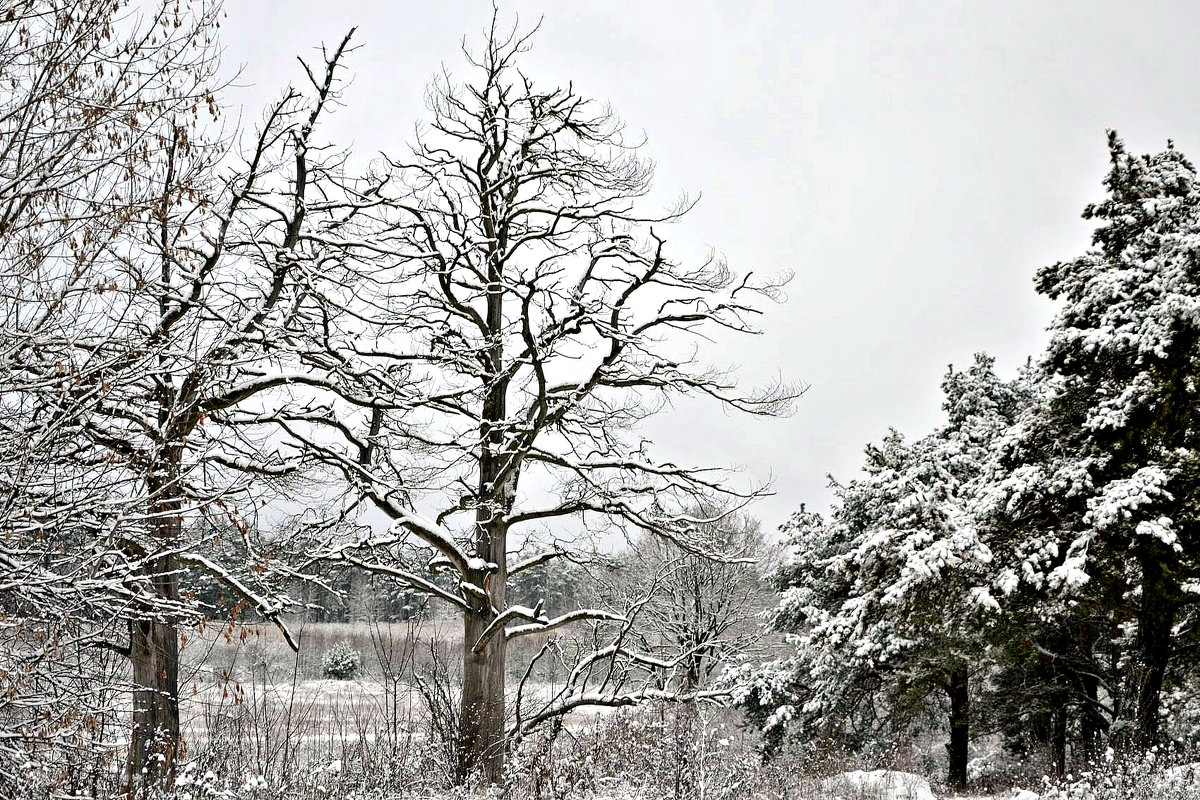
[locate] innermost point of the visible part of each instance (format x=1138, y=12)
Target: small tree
x=897, y=595
x=341, y=662
x=705, y=609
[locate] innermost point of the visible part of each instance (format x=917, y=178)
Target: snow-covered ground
x=880, y=783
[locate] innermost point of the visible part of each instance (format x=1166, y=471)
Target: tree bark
x=1059, y=741
x=154, y=741
x=1091, y=724
x=1156, y=618
x=481, y=745
x=960, y=709
x=481, y=741
x=154, y=656
x=481, y=721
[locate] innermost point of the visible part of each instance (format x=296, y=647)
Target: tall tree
x=1101, y=474
x=524, y=321
x=151, y=282
x=87, y=90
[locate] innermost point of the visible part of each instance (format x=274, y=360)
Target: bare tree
x=150, y=284
x=85, y=90
x=708, y=610
x=520, y=321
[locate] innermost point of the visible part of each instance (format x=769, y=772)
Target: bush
x=1147, y=777
x=342, y=662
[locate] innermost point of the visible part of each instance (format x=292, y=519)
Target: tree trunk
x=481, y=741
x=154, y=656
x=960, y=709
x=1091, y=724
x=1155, y=621
x=1060, y=741
x=481, y=719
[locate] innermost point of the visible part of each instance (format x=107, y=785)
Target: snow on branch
x=269, y=608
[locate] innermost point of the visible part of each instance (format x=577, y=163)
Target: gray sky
x=913, y=164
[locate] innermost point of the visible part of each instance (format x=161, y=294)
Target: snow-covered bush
x=1144, y=778
x=341, y=662
x=883, y=784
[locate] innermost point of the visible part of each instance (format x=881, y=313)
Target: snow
x=1185, y=776
x=883, y=784
x=1160, y=529
x=1119, y=499
x=983, y=598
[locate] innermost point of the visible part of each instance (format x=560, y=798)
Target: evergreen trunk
x=1091, y=724
x=1059, y=741
x=960, y=709
x=1156, y=618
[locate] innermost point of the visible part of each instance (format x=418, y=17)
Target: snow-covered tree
x=521, y=320
x=1100, y=479
x=703, y=608
x=152, y=280
x=891, y=596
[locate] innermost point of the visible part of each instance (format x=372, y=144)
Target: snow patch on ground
x=880, y=784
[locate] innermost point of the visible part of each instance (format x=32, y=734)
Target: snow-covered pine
x=1100, y=478
x=890, y=597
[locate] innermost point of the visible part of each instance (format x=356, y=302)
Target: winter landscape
x=379, y=420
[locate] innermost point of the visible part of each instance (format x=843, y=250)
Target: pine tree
x=1100, y=480
x=894, y=598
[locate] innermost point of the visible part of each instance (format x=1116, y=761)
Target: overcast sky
x=912, y=163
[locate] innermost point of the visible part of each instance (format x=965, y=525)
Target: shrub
x=342, y=662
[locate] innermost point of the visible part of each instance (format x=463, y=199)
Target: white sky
x=913, y=163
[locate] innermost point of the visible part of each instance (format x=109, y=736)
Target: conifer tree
x=899, y=602
x=1100, y=476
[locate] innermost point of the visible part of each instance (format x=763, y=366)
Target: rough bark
x=1156, y=618
x=154, y=657
x=154, y=741
x=481, y=721
x=960, y=709
x=481, y=745
x=1059, y=741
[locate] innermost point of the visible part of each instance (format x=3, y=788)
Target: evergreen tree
x=1098, y=489
x=894, y=597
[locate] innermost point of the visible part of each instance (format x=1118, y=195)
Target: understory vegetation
x=262, y=725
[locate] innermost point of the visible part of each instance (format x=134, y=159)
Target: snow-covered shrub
x=882, y=784
x=1144, y=778
x=341, y=662
x=658, y=752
